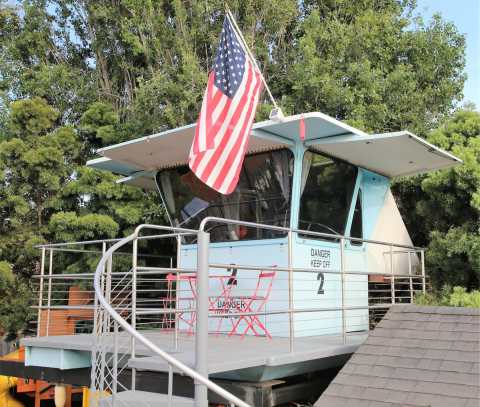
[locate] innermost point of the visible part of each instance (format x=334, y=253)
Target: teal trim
x=298, y=152
x=356, y=191
x=374, y=188
x=108, y=164
x=62, y=359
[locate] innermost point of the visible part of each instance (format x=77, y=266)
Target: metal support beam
x=201, y=334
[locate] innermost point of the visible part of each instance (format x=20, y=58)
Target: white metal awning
x=170, y=148
x=391, y=154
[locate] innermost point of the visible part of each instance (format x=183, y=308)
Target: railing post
x=410, y=275
x=134, y=304
x=201, y=336
x=177, y=280
x=290, y=292
x=342, y=276
x=49, y=295
x=424, y=283
x=170, y=385
x=392, y=278
x=40, y=294
x=115, y=360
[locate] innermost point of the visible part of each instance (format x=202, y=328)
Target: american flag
x=227, y=114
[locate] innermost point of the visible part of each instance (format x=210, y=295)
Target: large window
x=262, y=196
x=327, y=188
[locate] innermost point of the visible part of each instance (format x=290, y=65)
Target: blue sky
x=465, y=14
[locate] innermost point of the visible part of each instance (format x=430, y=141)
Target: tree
x=15, y=304
x=443, y=208
x=376, y=65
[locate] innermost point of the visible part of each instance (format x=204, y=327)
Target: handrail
x=210, y=219
x=133, y=332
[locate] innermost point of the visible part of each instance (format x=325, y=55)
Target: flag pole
x=277, y=112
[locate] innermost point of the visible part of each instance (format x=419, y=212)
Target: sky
x=465, y=14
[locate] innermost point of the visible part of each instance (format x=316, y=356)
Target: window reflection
x=262, y=196
x=356, y=229
x=327, y=188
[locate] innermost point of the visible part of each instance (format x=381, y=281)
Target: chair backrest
x=264, y=285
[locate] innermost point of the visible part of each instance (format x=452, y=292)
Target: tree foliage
x=79, y=75
x=453, y=297
x=443, y=208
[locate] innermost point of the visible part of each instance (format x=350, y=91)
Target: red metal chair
x=255, y=304
x=223, y=297
x=173, y=299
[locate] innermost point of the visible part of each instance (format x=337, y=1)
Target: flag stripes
x=226, y=117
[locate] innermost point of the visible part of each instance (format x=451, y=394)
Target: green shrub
x=456, y=297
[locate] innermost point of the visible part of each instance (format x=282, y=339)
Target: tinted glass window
x=357, y=227
x=327, y=188
x=262, y=196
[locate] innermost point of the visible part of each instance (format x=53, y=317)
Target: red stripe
x=235, y=150
x=196, y=140
x=208, y=117
x=233, y=122
x=214, y=130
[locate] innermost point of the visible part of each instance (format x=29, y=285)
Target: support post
x=170, y=385
x=40, y=294
x=392, y=278
x=134, y=305
x=342, y=276
x=424, y=283
x=290, y=293
x=201, y=335
x=49, y=295
x=115, y=361
x=410, y=274
x=177, y=280
x=60, y=395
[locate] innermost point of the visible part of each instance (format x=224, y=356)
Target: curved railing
x=134, y=333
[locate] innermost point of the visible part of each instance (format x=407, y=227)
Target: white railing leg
x=40, y=294
x=170, y=385
x=410, y=276
x=115, y=360
x=177, y=281
x=342, y=277
x=134, y=305
x=49, y=295
x=392, y=278
x=290, y=292
x=201, y=335
x=424, y=283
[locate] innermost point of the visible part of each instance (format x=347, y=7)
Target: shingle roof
x=416, y=356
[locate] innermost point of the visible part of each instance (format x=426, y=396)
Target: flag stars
x=229, y=62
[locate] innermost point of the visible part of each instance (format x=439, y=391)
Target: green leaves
x=456, y=297
x=31, y=117
x=68, y=226
x=363, y=62
x=444, y=212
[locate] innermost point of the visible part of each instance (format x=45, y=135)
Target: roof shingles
x=416, y=356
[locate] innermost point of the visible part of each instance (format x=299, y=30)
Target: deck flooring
x=225, y=353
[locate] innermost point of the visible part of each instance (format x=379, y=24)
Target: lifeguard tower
x=270, y=282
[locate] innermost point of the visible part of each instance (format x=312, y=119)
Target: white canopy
x=392, y=154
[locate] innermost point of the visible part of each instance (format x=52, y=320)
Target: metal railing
x=133, y=295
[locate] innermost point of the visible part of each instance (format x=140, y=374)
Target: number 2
x=321, y=278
